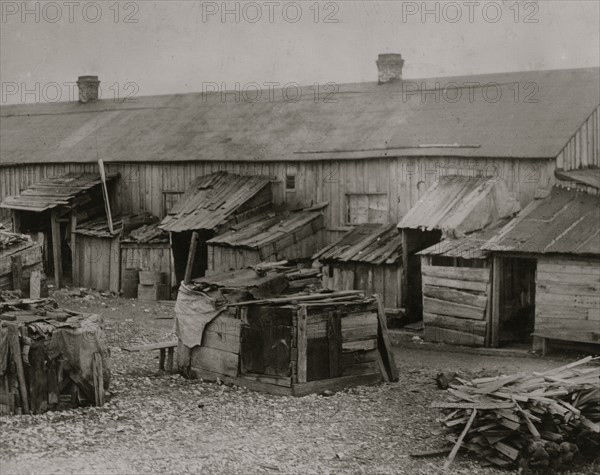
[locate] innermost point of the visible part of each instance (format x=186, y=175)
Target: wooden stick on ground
x=459, y=441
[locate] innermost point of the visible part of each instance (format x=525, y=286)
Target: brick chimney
x=88, y=88
x=389, y=66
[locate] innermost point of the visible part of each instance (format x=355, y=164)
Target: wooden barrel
x=129, y=284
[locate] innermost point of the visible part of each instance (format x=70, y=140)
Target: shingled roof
x=515, y=115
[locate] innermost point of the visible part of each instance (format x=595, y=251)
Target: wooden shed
x=53, y=207
x=456, y=276
x=289, y=236
x=19, y=257
x=210, y=206
x=281, y=344
x=558, y=239
x=368, y=258
x=452, y=208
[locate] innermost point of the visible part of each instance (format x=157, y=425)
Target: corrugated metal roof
x=368, y=243
x=470, y=246
x=527, y=114
x=565, y=222
x=267, y=229
x=457, y=205
x=54, y=191
x=211, y=200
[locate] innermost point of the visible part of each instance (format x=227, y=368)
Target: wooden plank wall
x=404, y=180
x=455, y=304
x=567, y=298
x=152, y=257
x=31, y=259
x=385, y=280
x=583, y=150
x=96, y=263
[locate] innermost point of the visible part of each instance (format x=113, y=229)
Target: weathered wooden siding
x=151, y=257
x=30, y=254
x=583, y=149
x=96, y=263
x=455, y=304
x=404, y=180
x=567, y=298
x=385, y=280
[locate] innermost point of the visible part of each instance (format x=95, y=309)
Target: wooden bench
x=546, y=338
x=166, y=348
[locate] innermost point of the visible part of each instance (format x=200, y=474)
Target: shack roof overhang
x=54, y=191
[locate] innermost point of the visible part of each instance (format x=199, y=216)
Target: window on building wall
x=170, y=198
x=290, y=182
x=366, y=208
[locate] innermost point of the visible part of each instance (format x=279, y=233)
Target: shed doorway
x=516, y=300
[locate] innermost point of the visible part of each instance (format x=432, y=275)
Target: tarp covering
x=193, y=311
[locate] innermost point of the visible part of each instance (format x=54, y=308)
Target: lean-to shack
x=211, y=205
x=289, y=236
x=368, y=258
x=558, y=239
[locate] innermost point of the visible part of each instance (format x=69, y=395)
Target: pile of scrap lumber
x=19, y=257
x=50, y=358
x=539, y=421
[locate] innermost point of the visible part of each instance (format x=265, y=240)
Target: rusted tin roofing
x=565, y=222
x=526, y=114
x=55, y=191
x=211, y=200
x=458, y=205
x=470, y=246
x=368, y=243
x=268, y=229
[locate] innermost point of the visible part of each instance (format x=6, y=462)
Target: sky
x=163, y=47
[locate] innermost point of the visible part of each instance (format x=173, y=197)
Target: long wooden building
x=370, y=150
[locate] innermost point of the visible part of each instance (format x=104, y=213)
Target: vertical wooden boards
x=496, y=301
x=15, y=349
x=56, y=248
x=302, y=344
x=334, y=337
x=17, y=272
x=384, y=343
x=114, y=263
x=74, y=251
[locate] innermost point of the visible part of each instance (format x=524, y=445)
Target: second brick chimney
x=389, y=66
x=88, y=88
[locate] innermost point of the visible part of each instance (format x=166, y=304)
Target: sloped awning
x=565, y=222
x=54, y=191
x=369, y=243
x=457, y=205
x=211, y=200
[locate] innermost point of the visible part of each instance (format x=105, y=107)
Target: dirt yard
x=162, y=423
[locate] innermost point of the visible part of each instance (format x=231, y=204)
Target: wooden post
x=383, y=342
x=302, y=344
x=74, y=253
x=334, y=337
x=56, y=250
x=191, y=256
x=15, y=349
x=496, y=301
x=161, y=361
x=16, y=221
x=105, y=194
x=16, y=263
x=405, y=258
x=170, y=352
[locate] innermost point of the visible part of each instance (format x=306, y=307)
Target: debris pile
x=538, y=421
x=50, y=358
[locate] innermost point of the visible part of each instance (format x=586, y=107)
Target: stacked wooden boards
x=455, y=304
x=567, y=299
x=296, y=345
x=539, y=421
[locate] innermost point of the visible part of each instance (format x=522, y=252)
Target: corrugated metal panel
x=528, y=114
x=458, y=205
x=53, y=192
x=211, y=200
x=368, y=243
x=566, y=222
x=265, y=230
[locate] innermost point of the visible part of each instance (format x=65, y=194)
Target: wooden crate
x=153, y=292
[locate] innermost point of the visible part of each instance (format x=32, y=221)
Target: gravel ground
x=159, y=423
